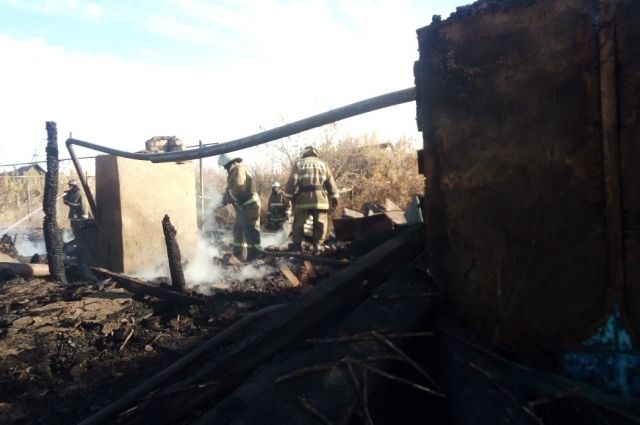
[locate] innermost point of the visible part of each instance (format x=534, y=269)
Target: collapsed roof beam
x=358, y=108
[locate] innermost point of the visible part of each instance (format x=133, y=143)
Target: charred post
x=173, y=252
x=52, y=234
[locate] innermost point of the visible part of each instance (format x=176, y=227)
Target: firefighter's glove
x=226, y=199
x=334, y=203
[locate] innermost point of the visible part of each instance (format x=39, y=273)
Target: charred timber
x=321, y=372
x=173, y=252
x=138, y=286
x=358, y=108
x=347, y=286
x=52, y=234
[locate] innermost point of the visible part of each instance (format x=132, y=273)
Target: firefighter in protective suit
x=241, y=192
x=73, y=199
x=276, y=212
x=313, y=191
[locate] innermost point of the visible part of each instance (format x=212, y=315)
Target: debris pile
x=163, y=144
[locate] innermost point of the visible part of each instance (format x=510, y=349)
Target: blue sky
x=120, y=72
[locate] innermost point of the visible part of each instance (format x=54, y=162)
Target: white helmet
x=73, y=183
x=275, y=184
x=225, y=159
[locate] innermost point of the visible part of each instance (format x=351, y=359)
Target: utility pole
x=201, y=191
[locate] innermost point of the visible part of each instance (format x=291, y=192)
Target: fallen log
x=26, y=270
x=346, y=287
x=178, y=366
x=138, y=286
x=321, y=371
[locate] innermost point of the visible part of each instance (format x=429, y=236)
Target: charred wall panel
x=628, y=52
x=508, y=102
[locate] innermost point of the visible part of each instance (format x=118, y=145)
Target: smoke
x=279, y=239
x=27, y=247
x=153, y=272
x=201, y=269
x=251, y=271
x=212, y=201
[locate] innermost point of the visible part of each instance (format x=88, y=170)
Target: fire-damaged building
x=512, y=301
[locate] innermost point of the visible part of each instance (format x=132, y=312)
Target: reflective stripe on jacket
x=311, y=184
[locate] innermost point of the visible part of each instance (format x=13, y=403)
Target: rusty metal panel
x=509, y=105
x=628, y=52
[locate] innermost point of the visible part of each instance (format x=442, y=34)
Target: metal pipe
x=358, y=108
x=83, y=180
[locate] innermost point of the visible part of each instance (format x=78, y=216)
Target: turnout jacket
x=241, y=189
x=73, y=199
x=275, y=203
x=311, y=184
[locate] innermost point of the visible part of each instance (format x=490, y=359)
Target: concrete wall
x=521, y=233
x=132, y=198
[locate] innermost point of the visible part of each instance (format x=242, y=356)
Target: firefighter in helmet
x=312, y=190
x=73, y=199
x=276, y=212
x=241, y=192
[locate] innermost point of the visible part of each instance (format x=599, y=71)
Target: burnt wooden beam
x=346, y=287
x=138, y=286
x=320, y=370
x=52, y=233
x=173, y=253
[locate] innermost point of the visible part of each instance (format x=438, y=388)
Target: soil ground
x=67, y=351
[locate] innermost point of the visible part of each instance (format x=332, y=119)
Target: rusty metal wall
x=510, y=105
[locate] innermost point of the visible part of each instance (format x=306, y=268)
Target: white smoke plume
x=279, y=239
x=201, y=270
x=160, y=270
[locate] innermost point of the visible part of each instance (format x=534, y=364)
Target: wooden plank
x=330, y=388
x=394, y=212
x=291, y=277
x=138, y=286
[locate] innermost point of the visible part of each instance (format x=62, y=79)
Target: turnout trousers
x=246, y=232
x=320, y=225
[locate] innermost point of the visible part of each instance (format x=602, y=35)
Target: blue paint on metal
x=607, y=359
